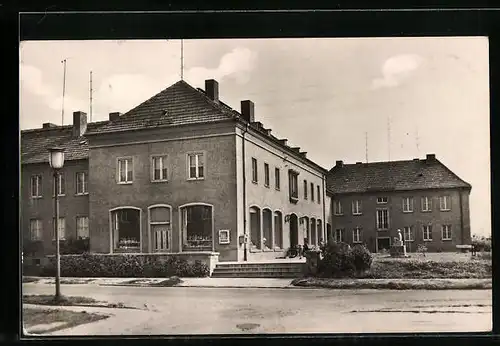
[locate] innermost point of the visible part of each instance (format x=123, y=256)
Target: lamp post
x=56, y=161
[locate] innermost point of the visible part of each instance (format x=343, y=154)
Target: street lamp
x=56, y=161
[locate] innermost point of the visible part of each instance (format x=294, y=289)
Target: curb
x=205, y=286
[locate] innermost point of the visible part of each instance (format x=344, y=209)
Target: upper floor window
x=427, y=232
x=61, y=226
x=312, y=192
x=382, y=200
x=317, y=190
x=36, y=186
x=426, y=203
x=159, y=165
x=356, y=235
x=82, y=227
x=277, y=178
x=125, y=171
x=293, y=185
x=196, y=166
x=266, y=175
x=61, y=185
x=305, y=189
x=408, y=233
x=407, y=204
x=356, y=207
x=382, y=219
x=446, y=232
x=337, y=208
x=35, y=229
x=444, y=203
x=255, y=177
x=81, y=183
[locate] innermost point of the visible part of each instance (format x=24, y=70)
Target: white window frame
x=337, y=238
x=128, y=161
x=378, y=221
x=183, y=223
x=426, y=232
x=408, y=233
x=446, y=230
x=277, y=178
x=79, y=228
x=61, y=185
x=407, y=204
x=62, y=228
x=337, y=208
x=152, y=237
x=85, y=184
x=357, y=207
x=36, y=232
x=36, y=179
x=426, y=204
x=255, y=170
x=293, y=181
x=163, y=159
x=356, y=235
x=445, y=203
x=267, y=177
x=224, y=235
x=382, y=200
x=197, y=156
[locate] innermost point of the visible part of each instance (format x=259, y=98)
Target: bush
x=75, y=246
x=481, y=243
x=362, y=258
x=90, y=265
x=339, y=259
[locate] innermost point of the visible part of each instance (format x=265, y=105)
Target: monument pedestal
x=398, y=249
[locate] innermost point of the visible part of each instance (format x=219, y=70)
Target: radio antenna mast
x=182, y=59
x=64, y=91
x=90, y=92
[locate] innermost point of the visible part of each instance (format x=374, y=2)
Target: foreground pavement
x=180, y=310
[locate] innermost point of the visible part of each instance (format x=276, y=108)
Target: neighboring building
x=181, y=172
x=422, y=198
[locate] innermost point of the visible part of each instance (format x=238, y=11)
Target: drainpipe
x=324, y=210
x=245, y=249
x=461, y=216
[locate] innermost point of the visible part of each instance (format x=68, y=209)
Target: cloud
x=237, y=64
x=396, y=69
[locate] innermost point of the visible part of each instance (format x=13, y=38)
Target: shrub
x=362, y=258
x=91, y=265
x=75, y=246
x=339, y=259
x=422, y=249
x=481, y=243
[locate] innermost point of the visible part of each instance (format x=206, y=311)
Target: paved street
x=180, y=310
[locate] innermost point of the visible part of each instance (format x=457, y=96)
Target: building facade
x=180, y=173
x=422, y=198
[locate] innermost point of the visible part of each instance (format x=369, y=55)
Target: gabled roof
x=35, y=143
x=179, y=104
x=392, y=176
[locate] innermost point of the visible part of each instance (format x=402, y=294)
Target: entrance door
x=161, y=236
x=294, y=230
x=383, y=243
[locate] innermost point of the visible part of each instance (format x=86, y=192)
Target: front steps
x=258, y=270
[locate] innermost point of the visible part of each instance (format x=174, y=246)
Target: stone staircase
x=276, y=269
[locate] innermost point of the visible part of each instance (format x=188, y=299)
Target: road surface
x=178, y=310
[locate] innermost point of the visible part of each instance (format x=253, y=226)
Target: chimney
x=212, y=89
x=79, y=123
x=114, y=116
x=48, y=126
x=257, y=125
x=303, y=153
x=283, y=141
x=431, y=157
x=296, y=149
x=247, y=111
x=339, y=163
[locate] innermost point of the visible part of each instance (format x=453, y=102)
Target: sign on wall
x=224, y=236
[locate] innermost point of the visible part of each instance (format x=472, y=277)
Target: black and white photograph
x=255, y=186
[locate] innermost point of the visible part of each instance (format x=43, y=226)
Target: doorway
x=383, y=243
x=294, y=230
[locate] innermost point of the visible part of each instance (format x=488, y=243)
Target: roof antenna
x=366, y=146
x=90, y=110
x=64, y=91
x=182, y=59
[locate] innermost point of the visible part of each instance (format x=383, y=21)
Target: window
x=61, y=225
x=446, y=232
x=407, y=204
x=61, y=185
x=125, y=175
x=126, y=229
x=337, y=208
x=159, y=165
x=312, y=192
x=81, y=183
x=427, y=232
x=382, y=200
x=160, y=226
x=36, y=186
x=408, y=233
x=356, y=207
x=255, y=177
x=339, y=235
x=445, y=203
x=278, y=230
x=356, y=235
x=426, y=204
x=320, y=231
x=35, y=229
x=255, y=235
x=305, y=189
x=266, y=175
x=317, y=190
x=82, y=227
x=293, y=185
x=314, y=232
x=197, y=228
x=277, y=178
x=267, y=229
x=196, y=166
x=382, y=219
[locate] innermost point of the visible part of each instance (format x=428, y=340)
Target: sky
x=338, y=99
